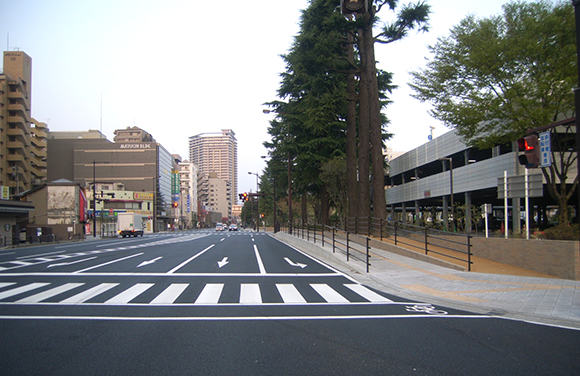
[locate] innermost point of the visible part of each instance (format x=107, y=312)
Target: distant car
x=219, y=227
x=233, y=227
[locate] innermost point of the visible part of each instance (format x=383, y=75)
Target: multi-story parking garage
x=420, y=180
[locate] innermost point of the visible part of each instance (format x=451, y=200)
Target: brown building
x=22, y=139
x=133, y=164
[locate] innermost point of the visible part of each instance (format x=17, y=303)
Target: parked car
x=219, y=227
x=233, y=227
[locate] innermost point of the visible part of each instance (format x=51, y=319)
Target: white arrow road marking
x=70, y=263
x=149, y=262
x=295, y=264
x=223, y=262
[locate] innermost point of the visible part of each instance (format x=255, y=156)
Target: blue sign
x=545, y=149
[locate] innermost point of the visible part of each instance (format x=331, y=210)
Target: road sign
x=545, y=149
x=516, y=186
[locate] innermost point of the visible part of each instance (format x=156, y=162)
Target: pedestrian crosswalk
x=186, y=293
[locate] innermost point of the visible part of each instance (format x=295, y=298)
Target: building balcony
x=17, y=158
x=40, y=133
x=17, y=120
x=17, y=95
x=38, y=152
x=37, y=173
x=39, y=144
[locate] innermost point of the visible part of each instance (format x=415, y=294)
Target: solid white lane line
x=170, y=294
x=49, y=293
x=90, y=293
x=328, y=293
x=189, y=260
x=129, y=294
x=21, y=289
x=260, y=263
x=369, y=295
x=108, y=263
x=210, y=294
x=4, y=284
x=250, y=293
x=290, y=293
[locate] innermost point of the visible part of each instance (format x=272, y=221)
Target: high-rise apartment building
x=22, y=139
x=216, y=153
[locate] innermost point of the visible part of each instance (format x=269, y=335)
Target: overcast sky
x=177, y=68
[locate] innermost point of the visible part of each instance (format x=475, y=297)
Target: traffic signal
x=241, y=196
x=175, y=204
x=354, y=6
x=530, y=145
x=245, y=197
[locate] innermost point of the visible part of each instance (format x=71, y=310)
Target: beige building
x=216, y=153
x=22, y=139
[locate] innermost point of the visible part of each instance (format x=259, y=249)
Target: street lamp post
x=450, y=160
x=257, y=202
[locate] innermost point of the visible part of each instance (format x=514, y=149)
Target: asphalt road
x=206, y=302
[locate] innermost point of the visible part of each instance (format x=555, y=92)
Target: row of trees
x=491, y=79
x=329, y=129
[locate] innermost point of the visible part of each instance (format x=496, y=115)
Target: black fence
x=352, y=245
x=446, y=244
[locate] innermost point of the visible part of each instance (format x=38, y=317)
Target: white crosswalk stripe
x=211, y=294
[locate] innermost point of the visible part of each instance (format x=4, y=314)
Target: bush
x=563, y=232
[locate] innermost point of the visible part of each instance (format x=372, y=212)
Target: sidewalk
x=530, y=297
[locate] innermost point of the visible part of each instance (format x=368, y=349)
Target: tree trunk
x=304, y=209
x=364, y=130
x=351, y=157
x=375, y=128
x=324, y=206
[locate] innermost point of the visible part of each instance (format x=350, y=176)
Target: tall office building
x=216, y=153
x=22, y=139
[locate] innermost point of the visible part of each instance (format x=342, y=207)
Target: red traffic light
x=530, y=145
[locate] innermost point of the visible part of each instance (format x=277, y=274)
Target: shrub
x=563, y=232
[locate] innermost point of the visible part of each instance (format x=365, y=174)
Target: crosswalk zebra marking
x=328, y=293
x=369, y=295
x=210, y=294
x=250, y=294
x=130, y=294
x=170, y=294
x=89, y=294
x=22, y=289
x=49, y=293
x=290, y=293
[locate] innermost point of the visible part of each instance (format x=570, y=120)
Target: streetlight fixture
x=450, y=160
x=257, y=202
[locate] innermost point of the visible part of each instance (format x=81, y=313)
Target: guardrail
x=451, y=245
x=352, y=245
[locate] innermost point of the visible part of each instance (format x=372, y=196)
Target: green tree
x=493, y=78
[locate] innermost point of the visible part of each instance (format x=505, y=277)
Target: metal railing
x=451, y=245
x=352, y=245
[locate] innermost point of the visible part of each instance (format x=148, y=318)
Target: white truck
x=129, y=224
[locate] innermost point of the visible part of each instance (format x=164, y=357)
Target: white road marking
x=290, y=293
x=49, y=293
x=250, y=293
x=21, y=289
x=328, y=293
x=369, y=295
x=260, y=263
x=189, y=260
x=129, y=294
x=70, y=263
x=89, y=294
x=108, y=263
x=170, y=294
x=210, y=294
